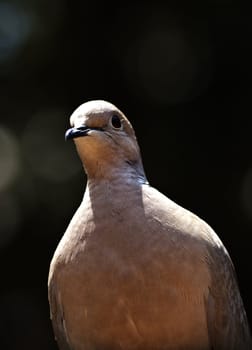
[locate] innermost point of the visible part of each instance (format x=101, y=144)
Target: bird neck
x=127, y=172
x=112, y=194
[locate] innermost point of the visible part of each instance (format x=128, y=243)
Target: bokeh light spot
x=48, y=155
x=10, y=218
x=24, y=324
x=246, y=193
x=15, y=28
x=9, y=158
x=167, y=63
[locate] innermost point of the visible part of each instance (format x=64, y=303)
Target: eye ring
x=116, y=122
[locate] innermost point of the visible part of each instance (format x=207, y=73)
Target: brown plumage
x=134, y=270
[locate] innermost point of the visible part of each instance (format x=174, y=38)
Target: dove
x=134, y=270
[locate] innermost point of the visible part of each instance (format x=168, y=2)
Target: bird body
x=134, y=270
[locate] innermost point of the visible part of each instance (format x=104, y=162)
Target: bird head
x=105, y=140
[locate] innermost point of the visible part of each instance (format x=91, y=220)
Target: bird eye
x=116, y=122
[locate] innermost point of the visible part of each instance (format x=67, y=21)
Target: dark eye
x=116, y=122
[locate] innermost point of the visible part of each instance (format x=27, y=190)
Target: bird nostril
x=82, y=128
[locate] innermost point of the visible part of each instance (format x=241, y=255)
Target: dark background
x=181, y=72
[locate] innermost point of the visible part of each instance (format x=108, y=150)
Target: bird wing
x=57, y=315
x=226, y=317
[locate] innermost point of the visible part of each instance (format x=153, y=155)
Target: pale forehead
x=93, y=107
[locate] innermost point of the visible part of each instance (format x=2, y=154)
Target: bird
x=135, y=270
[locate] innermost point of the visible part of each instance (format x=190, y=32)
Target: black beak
x=83, y=130
x=76, y=132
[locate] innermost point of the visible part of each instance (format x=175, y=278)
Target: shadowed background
x=181, y=72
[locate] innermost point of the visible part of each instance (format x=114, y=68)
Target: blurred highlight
x=9, y=158
x=246, y=193
x=15, y=29
x=10, y=218
x=48, y=156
